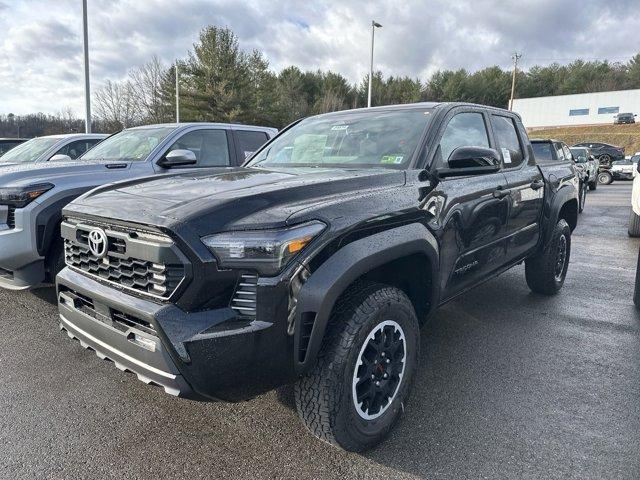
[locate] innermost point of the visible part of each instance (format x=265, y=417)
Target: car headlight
x=20, y=197
x=267, y=251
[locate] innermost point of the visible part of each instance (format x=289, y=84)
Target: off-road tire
x=54, y=261
x=541, y=270
x=634, y=224
x=324, y=398
x=593, y=185
x=605, y=178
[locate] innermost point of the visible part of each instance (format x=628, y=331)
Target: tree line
x=221, y=82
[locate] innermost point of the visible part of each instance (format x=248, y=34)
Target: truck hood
x=231, y=198
x=31, y=173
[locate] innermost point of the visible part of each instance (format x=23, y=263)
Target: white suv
x=634, y=215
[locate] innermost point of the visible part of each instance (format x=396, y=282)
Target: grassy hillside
x=627, y=136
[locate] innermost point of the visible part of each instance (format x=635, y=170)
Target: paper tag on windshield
x=339, y=127
x=506, y=154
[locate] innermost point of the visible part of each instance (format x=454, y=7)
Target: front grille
x=11, y=217
x=142, y=262
x=244, y=300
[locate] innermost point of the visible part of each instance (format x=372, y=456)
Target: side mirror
x=178, y=158
x=60, y=158
x=471, y=161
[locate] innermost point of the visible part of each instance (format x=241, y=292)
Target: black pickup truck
x=318, y=261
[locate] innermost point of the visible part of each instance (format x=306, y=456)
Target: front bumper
x=207, y=355
x=21, y=266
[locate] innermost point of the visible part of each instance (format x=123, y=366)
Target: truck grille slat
x=245, y=298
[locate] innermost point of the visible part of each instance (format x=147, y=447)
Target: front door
x=474, y=211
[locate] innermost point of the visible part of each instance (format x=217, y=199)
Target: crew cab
x=33, y=192
x=318, y=261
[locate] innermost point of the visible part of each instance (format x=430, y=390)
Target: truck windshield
x=30, y=151
x=362, y=139
x=130, y=145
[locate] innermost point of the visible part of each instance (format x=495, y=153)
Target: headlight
x=267, y=251
x=20, y=197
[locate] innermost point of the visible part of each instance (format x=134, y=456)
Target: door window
x=210, y=147
x=560, y=152
x=464, y=130
x=77, y=148
x=249, y=142
x=508, y=142
x=567, y=152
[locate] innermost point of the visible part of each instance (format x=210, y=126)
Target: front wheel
x=605, y=178
x=546, y=271
x=360, y=383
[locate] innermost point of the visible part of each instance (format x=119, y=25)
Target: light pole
x=515, y=57
x=177, y=94
x=87, y=88
x=374, y=25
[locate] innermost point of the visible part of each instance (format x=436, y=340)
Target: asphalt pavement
x=510, y=385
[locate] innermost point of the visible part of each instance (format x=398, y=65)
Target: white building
x=579, y=109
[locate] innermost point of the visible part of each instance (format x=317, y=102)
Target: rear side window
x=210, y=147
x=249, y=141
x=543, y=152
x=77, y=148
x=464, y=130
x=560, y=152
x=508, y=142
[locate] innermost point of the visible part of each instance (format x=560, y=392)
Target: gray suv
x=32, y=195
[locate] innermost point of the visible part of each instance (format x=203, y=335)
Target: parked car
x=318, y=261
x=623, y=169
x=548, y=151
x=32, y=197
x=7, y=144
x=604, y=152
x=51, y=147
x=621, y=118
x=585, y=159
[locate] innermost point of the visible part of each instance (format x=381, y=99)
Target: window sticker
x=506, y=154
x=339, y=127
x=392, y=159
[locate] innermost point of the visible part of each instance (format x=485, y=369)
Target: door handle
x=537, y=184
x=501, y=192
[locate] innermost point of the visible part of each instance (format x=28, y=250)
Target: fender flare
x=559, y=200
x=49, y=218
x=320, y=292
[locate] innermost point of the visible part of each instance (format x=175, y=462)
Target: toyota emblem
x=98, y=242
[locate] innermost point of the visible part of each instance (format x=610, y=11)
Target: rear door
x=474, y=212
x=525, y=183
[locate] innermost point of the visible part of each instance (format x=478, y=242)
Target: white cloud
x=41, y=49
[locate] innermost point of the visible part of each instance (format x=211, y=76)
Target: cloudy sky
x=41, y=42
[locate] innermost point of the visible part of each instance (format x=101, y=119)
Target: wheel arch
x=406, y=257
x=564, y=205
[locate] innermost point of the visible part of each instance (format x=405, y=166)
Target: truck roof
x=206, y=124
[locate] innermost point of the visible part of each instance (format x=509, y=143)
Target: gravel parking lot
x=511, y=385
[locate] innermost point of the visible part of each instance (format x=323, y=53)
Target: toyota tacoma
x=318, y=261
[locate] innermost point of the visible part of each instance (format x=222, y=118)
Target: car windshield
x=361, y=139
x=543, y=152
x=30, y=151
x=132, y=145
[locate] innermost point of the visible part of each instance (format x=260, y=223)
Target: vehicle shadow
x=48, y=294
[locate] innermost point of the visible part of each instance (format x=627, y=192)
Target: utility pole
x=87, y=87
x=516, y=56
x=177, y=94
x=374, y=25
